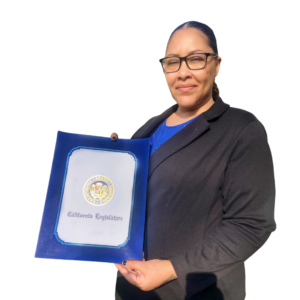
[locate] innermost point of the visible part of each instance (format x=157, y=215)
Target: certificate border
x=47, y=244
x=62, y=192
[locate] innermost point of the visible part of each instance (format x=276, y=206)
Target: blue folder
x=108, y=220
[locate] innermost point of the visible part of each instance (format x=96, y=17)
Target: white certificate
x=97, y=198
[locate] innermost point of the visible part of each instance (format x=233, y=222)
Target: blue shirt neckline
x=178, y=124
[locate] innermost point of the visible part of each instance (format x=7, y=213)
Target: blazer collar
x=182, y=138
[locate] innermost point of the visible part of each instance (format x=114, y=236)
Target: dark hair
x=212, y=42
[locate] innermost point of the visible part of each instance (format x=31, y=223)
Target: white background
x=57, y=72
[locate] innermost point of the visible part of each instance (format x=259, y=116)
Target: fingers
x=134, y=272
x=138, y=272
x=136, y=265
x=130, y=275
x=123, y=270
x=130, y=268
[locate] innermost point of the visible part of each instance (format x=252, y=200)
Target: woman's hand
x=147, y=275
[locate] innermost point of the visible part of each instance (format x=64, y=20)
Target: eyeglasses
x=196, y=61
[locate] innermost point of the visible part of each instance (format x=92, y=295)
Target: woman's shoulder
x=240, y=119
x=145, y=125
x=240, y=115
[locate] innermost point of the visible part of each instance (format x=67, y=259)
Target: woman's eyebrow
x=188, y=53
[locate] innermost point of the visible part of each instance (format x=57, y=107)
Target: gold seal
x=98, y=190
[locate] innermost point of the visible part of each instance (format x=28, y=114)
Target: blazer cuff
x=190, y=281
x=180, y=269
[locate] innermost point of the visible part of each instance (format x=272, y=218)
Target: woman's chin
x=186, y=102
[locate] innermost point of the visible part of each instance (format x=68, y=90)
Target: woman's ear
x=218, y=63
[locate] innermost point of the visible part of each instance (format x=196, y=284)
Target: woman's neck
x=182, y=115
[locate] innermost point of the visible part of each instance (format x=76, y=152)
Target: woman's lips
x=186, y=89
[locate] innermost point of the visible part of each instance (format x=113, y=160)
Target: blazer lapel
x=182, y=138
x=149, y=129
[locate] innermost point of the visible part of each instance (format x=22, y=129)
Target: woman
x=211, y=188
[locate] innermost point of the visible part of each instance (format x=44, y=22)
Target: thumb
x=133, y=264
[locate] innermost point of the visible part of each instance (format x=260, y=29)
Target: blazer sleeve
x=248, y=194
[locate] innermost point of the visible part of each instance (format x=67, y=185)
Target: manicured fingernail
x=124, y=263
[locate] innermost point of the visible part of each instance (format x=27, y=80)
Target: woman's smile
x=185, y=89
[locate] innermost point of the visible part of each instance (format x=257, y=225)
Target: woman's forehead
x=187, y=40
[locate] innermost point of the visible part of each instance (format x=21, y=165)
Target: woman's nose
x=184, y=69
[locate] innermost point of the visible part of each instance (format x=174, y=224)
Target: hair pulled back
x=212, y=42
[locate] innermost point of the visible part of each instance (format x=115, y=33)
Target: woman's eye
x=172, y=62
x=197, y=58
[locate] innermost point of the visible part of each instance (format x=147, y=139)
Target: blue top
x=163, y=133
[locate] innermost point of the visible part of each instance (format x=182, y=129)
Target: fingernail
x=124, y=262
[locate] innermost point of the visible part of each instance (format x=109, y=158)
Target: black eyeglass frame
x=184, y=58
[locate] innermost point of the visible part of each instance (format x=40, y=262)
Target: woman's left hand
x=147, y=275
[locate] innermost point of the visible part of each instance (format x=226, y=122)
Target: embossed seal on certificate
x=98, y=190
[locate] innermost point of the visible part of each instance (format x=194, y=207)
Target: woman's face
x=182, y=43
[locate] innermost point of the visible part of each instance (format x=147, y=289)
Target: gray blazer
x=210, y=204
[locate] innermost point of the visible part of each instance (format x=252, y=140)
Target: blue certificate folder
x=96, y=199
